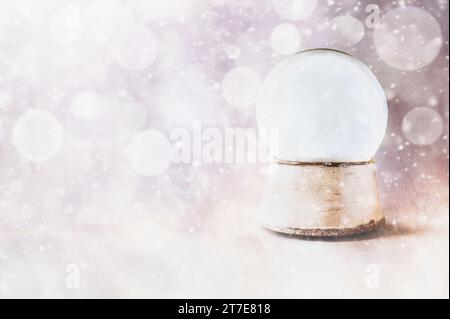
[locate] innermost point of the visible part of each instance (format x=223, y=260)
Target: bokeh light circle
x=422, y=126
x=137, y=51
x=129, y=115
x=64, y=24
x=240, y=87
x=285, y=39
x=346, y=30
x=37, y=135
x=408, y=38
x=294, y=9
x=88, y=105
x=150, y=153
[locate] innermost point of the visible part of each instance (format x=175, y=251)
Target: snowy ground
x=146, y=259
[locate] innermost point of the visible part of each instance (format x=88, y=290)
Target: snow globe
x=329, y=113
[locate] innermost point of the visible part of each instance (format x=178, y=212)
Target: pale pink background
x=190, y=231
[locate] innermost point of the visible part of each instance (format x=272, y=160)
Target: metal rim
x=328, y=232
x=323, y=49
x=326, y=164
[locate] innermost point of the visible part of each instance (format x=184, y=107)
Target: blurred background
x=85, y=85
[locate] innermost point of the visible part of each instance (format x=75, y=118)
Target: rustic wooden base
x=322, y=199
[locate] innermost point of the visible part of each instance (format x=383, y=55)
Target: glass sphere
x=322, y=105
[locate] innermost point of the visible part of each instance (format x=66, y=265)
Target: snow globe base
x=322, y=199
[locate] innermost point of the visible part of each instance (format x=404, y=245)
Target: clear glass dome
x=325, y=106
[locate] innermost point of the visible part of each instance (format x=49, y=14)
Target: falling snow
x=92, y=204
